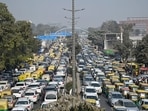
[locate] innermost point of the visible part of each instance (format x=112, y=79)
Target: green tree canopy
x=110, y=26
x=16, y=39
x=141, y=51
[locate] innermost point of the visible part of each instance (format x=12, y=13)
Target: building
x=140, y=28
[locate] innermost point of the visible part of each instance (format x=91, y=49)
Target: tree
x=141, y=51
x=16, y=40
x=110, y=26
x=125, y=47
x=97, y=37
x=7, y=31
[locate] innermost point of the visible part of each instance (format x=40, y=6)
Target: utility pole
x=73, y=50
x=73, y=47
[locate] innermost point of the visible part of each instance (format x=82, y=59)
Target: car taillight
x=34, y=96
x=28, y=107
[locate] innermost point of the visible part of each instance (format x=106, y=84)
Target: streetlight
x=73, y=46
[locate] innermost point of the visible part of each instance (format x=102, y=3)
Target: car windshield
x=3, y=83
x=129, y=104
x=95, y=84
x=50, y=89
x=90, y=90
x=88, y=79
x=33, y=86
x=29, y=94
x=120, y=109
x=15, y=90
x=19, y=84
x=51, y=96
x=116, y=95
x=28, y=80
x=22, y=102
x=146, y=102
x=92, y=97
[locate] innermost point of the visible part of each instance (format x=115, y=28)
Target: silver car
x=128, y=104
x=114, y=97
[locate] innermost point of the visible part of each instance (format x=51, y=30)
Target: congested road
x=44, y=80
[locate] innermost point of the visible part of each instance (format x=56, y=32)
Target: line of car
x=27, y=90
x=94, y=68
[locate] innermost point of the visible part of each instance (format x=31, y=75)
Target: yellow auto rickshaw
x=51, y=68
x=109, y=75
x=115, y=76
x=6, y=92
x=143, y=104
x=133, y=96
x=4, y=105
x=143, y=86
x=104, y=84
x=124, y=79
x=109, y=88
x=115, y=80
x=118, y=86
x=40, y=70
x=133, y=87
x=124, y=91
x=91, y=101
x=142, y=94
x=35, y=75
x=22, y=77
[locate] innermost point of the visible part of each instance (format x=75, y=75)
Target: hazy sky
x=96, y=11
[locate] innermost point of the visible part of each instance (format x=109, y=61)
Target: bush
x=70, y=103
x=68, y=86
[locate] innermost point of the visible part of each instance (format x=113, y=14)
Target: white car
x=92, y=98
x=36, y=86
x=25, y=102
x=28, y=81
x=45, y=105
x=5, y=84
x=19, y=108
x=21, y=85
x=18, y=92
x=90, y=90
x=51, y=97
x=32, y=95
x=97, y=86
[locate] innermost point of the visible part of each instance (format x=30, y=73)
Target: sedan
x=97, y=86
x=128, y=104
x=114, y=97
x=24, y=102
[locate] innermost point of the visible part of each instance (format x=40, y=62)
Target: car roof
x=94, y=82
x=51, y=92
x=115, y=92
x=90, y=87
x=15, y=87
x=53, y=82
x=23, y=99
x=145, y=100
x=91, y=94
x=20, y=82
x=126, y=100
x=35, y=83
x=30, y=90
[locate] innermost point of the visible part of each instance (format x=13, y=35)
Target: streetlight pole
x=73, y=47
x=73, y=50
